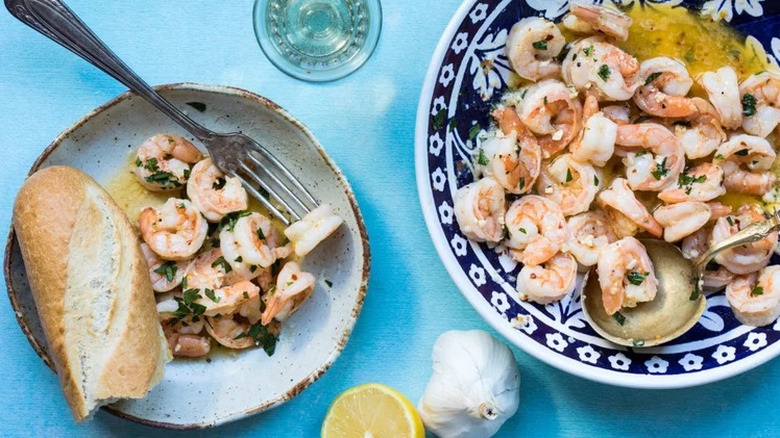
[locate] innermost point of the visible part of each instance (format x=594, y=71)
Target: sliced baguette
x=91, y=287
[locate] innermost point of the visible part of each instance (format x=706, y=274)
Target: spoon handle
x=751, y=233
x=55, y=20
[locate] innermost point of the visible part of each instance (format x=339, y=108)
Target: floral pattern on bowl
x=468, y=73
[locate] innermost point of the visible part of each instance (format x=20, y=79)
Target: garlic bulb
x=475, y=386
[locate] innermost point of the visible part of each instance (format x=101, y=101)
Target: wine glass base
x=317, y=40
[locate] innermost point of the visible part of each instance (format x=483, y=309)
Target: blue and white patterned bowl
x=467, y=75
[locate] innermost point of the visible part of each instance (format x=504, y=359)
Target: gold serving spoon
x=679, y=303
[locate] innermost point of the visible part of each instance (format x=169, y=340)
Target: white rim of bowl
x=571, y=366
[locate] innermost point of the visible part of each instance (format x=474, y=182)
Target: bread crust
x=101, y=354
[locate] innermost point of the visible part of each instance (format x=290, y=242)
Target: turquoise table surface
x=366, y=122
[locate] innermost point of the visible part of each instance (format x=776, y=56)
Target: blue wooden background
x=366, y=122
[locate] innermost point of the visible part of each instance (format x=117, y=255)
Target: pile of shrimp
x=219, y=270
x=601, y=147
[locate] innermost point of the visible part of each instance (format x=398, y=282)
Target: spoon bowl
x=672, y=312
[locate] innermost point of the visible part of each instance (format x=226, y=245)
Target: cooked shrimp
x=165, y=275
x=293, y=287
x=315, y=227
x=627, y=213
x=219, y=290
x=596, y=66
x=186, y=345
x=618, y=114
x=750, y=151
x=553, y=113
x=163, y=162
x=596, y=141
x=536, y=228
x=588, y=18
x=655, y=156
x=531, y=47
x=715, y=276
x=228, y=331
x=514, y=156
x=682, y=219
x=665, y=82
x=479, y=209
x=755, y=298
x=569, y=183
x=701, y=133
x=213, y=193
x=761, y=103
x=746, y=258
x=548, y=282
x=703, y=182
x=175, y=231
x=626, y=275
x=723, y=89
x=589, y=233
x=251, y=243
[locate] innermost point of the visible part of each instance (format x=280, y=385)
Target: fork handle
x=55, y=20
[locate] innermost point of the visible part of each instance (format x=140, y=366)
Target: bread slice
x=91, y=287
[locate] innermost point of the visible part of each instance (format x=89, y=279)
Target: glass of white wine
x=317, y=40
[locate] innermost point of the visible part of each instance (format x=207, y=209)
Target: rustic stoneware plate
x=228, y=386
x=467, y=75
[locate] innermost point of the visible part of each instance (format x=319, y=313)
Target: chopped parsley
x=619, y=318
x=211, y=295
x=637, y=278
x=222, y=262
x=719, y=157
x=588, y=50
x=604, y=72
x=246, y=295
x=168, y=269
x=438, y=119
x=660, y=170
x=474, y=131
x=200, y=106
x=482, y=158
x=151, y=165
x=187, y=173
x=748, y=105
x=521, y=183
x=595, y=180
x=260, y=234
x=568, y=175
x=253, y=268
x=640, y=153
x=262, y=337
x=730, y=220
x=138, y=162
x=164, y=179
x=758, y=290
x=712, y=265
x=561, y=56
x=239, y=259
x=652, y=77
x=540, y=45
x=230, y=219
x=187, y=306
x=742, y=152
x=695, y=293
x=686, y=180
x=522, y=230
x=329, y=283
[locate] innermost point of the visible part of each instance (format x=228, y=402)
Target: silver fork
x=233, y=153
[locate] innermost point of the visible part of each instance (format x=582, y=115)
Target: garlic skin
x=475, y=386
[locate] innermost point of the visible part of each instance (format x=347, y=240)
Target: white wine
x=317, y=39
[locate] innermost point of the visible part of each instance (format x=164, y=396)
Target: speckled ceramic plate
x=468, y=74
x=199, y=393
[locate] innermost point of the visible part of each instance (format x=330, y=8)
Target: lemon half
x=372, y=411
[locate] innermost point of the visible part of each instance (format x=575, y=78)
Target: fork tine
x=267, y=187
x=284, y=171
x=279, y=183
x=252, y=191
